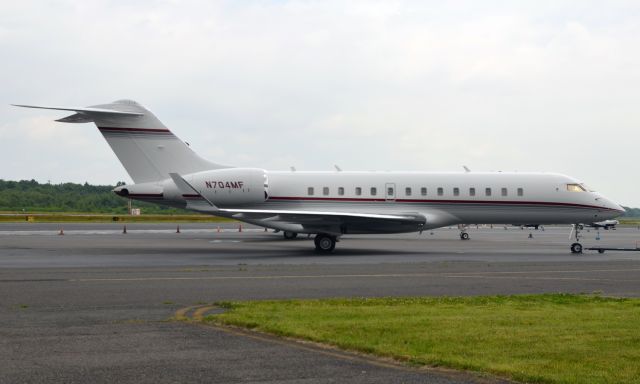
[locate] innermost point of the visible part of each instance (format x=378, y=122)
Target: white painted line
x=118, y=231
x=386, y=275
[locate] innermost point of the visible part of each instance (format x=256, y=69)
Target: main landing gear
x=576, y=248
x=325, y=243
x=290, y=235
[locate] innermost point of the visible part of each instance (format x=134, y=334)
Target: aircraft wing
x=326, y=221
x=298, y=220
x=302, y=215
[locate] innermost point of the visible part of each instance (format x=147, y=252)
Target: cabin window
x=487, y=191
x=374, y=191
x=341, y=191
x=440, y=191
x=575, y=188
x=325, y=191
x=423, y=191
x=503, y=192
x=520, y=192
x=310, y=191
x=358, y=191
x=456, y=191
x=472, y=191
x=407, y=191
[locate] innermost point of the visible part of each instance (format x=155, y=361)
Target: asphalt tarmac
x=93, y=305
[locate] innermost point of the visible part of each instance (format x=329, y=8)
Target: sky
x=548, y=86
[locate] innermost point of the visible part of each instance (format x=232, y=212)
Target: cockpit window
x=575, y=188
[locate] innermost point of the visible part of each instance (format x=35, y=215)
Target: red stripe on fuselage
x=507, y=202
x=137, y=130
x=145, y=195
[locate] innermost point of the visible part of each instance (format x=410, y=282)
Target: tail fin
x=145, y=147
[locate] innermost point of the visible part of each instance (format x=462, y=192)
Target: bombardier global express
x=330, y=204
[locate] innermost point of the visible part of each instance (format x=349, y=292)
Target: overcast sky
x=393, y=85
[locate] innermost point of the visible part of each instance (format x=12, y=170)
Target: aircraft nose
x=619, y=210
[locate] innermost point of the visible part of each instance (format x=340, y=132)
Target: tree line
x=31, y=196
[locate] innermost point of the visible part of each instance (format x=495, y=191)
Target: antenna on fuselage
x=466, y=169
x=337, y=168
x=293, y=169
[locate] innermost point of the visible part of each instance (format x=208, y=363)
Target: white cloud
x=371, y=85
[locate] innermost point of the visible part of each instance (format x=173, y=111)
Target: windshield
x=575, y=188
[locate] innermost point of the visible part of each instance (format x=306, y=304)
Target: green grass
x=103, y=218
x=554, y=338
x=629, y=221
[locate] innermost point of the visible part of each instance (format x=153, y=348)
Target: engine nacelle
x=226, y=187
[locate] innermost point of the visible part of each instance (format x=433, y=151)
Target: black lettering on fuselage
x=223, y=184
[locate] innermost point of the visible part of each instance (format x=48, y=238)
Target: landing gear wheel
x=464, y=236
x=290, y=235
x=576, y=248
x=600, y=250
x=324, y=243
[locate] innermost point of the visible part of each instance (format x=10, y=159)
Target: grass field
x=104, y=218
x=629, y=221
x=534, y=338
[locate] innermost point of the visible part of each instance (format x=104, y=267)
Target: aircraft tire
x=464, y=236
x=576, y=248
x=324, y=243
x=290, y=235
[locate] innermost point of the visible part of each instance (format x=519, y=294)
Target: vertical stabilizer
x=147, y=149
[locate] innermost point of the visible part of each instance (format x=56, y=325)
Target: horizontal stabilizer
x=82, y=110
x=83, y=115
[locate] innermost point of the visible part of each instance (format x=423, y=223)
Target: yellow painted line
x=198, y=314
x=338, y=276
x=181, y=314
x=537, y=278
x=273, y=277
x=543, y=271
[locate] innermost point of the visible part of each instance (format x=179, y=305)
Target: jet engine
x=224, y=187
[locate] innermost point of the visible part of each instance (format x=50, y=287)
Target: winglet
x=187, y=189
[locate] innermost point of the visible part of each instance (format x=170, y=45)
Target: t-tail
x=147, y=149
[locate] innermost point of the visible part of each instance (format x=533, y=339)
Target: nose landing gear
x=576, y=248
x=464, y=235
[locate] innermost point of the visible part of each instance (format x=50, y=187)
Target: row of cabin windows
x=423, y=191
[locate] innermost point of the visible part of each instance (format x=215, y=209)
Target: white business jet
x=330, y=204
